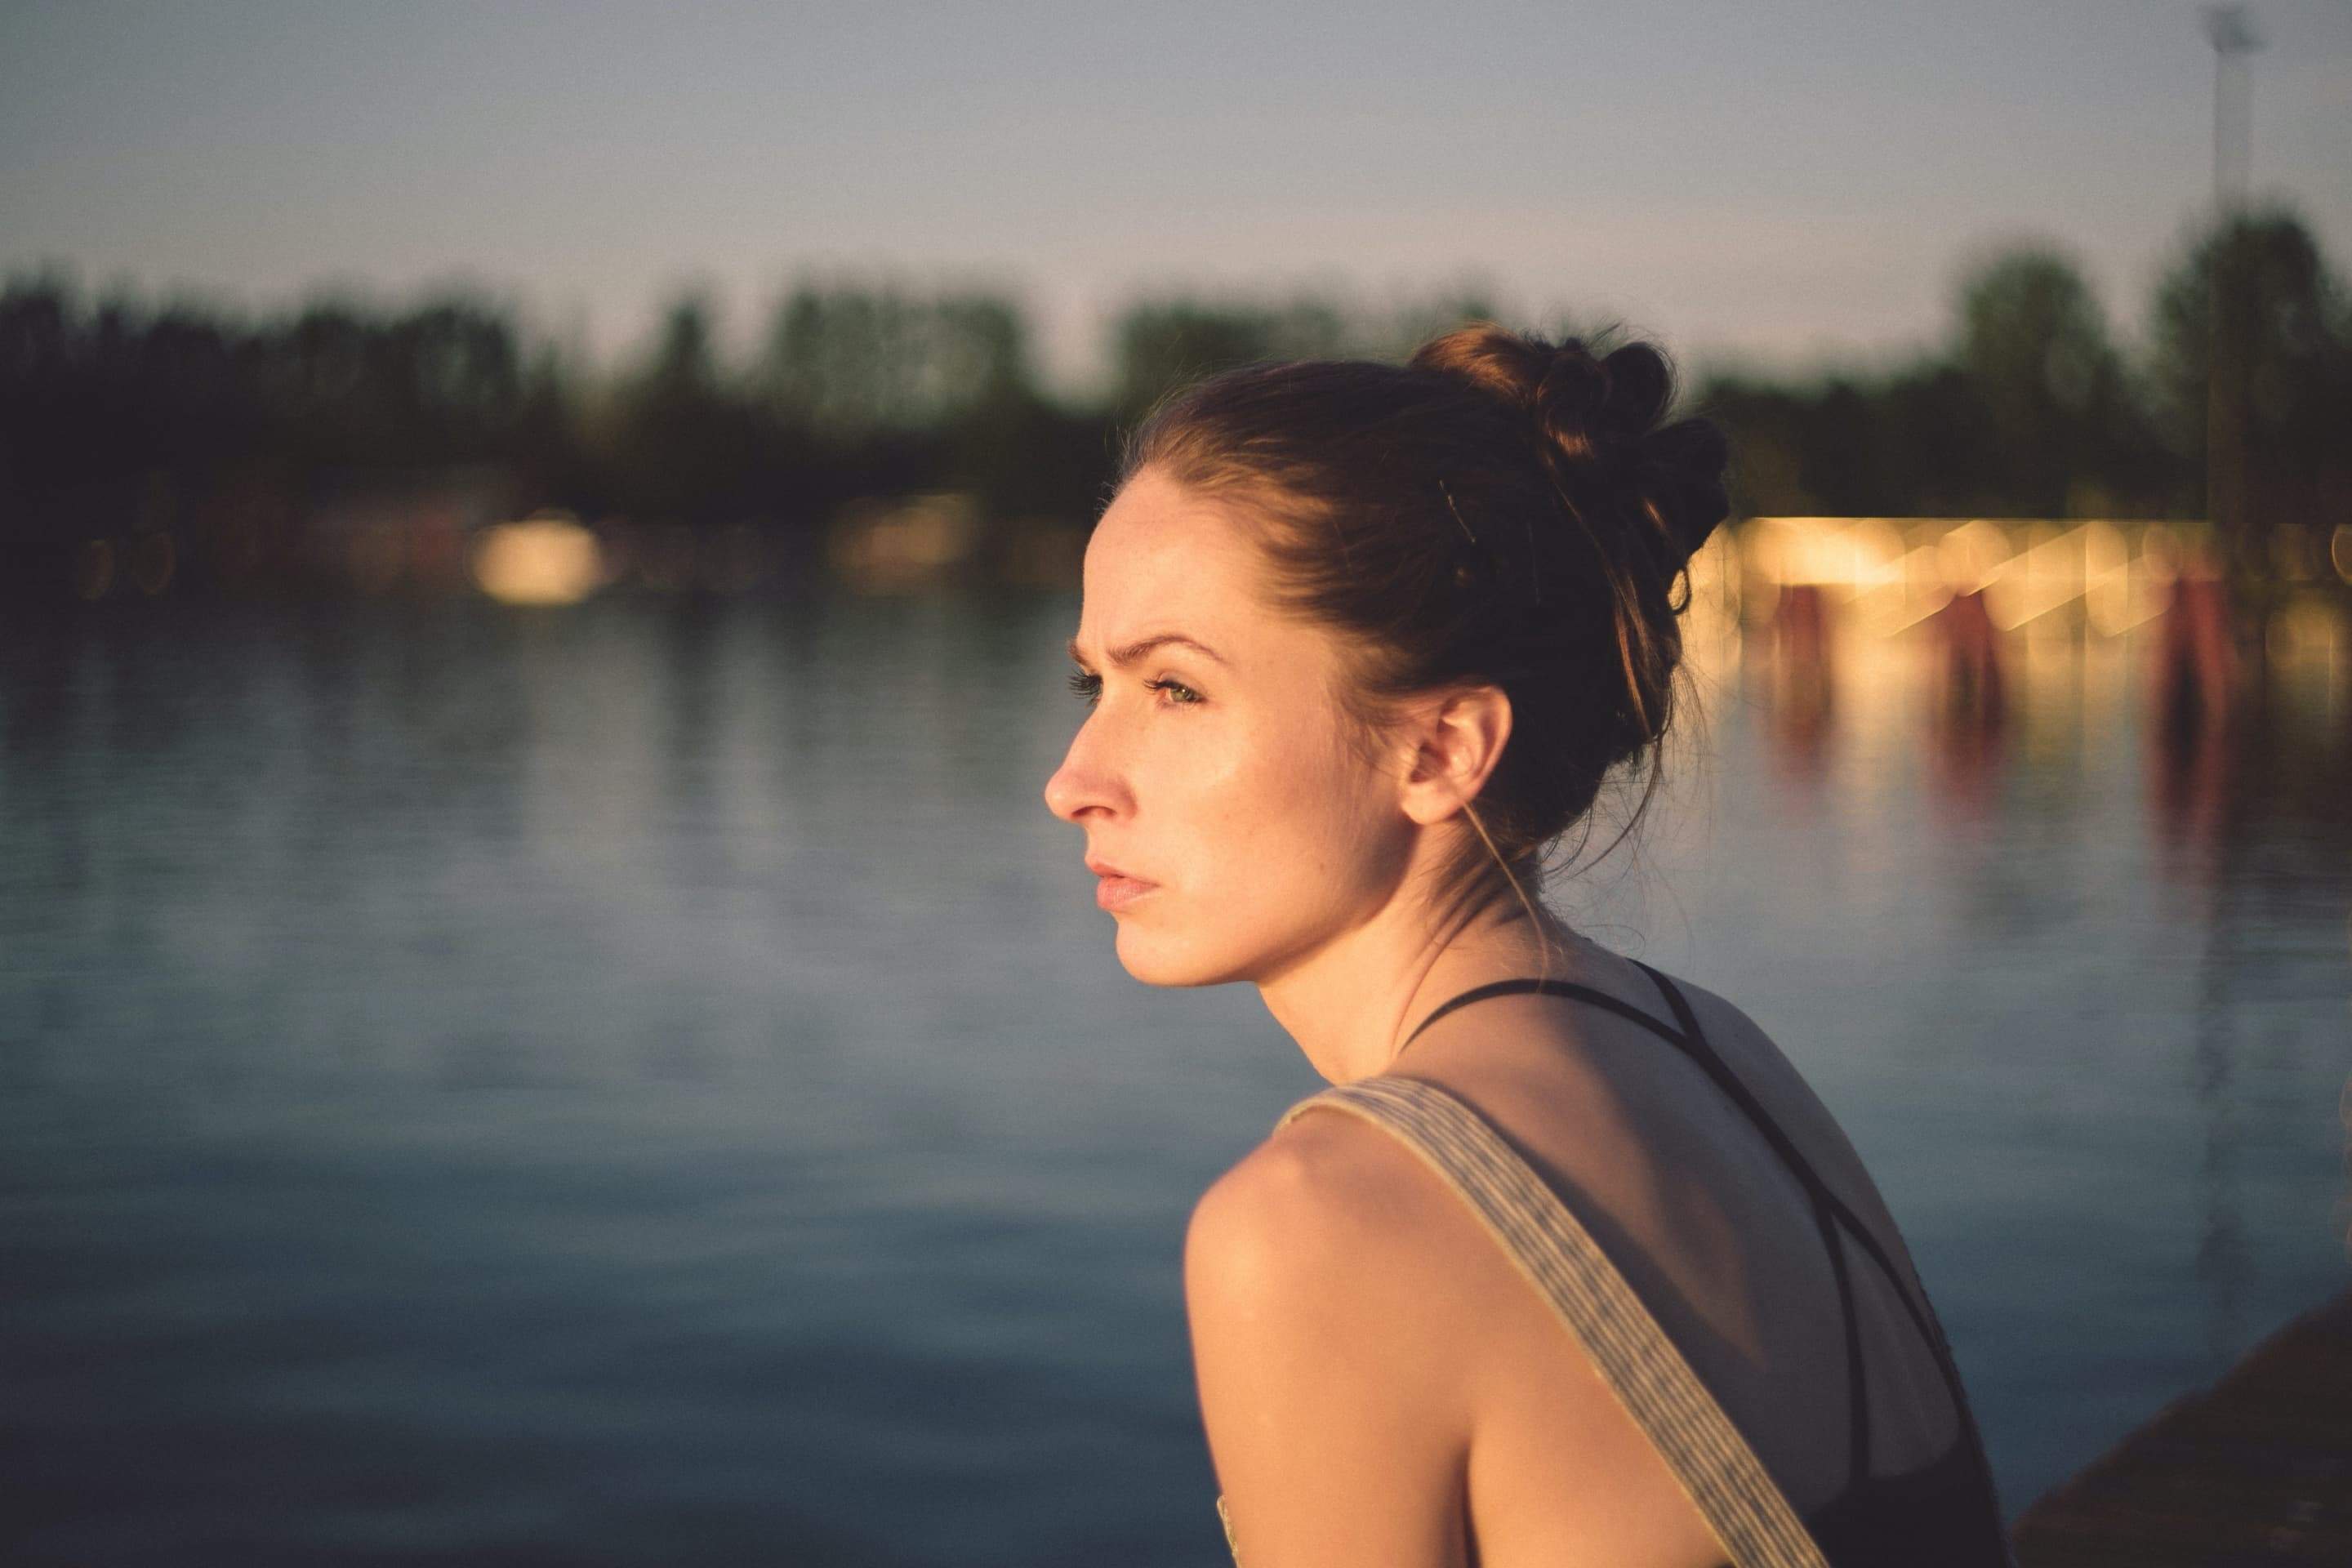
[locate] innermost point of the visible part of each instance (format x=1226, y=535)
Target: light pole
x=2233, y=38
x=2226, y=304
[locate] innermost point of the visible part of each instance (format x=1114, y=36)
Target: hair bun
x=1686, y=460
x=1596, y=420
x=1500, y=510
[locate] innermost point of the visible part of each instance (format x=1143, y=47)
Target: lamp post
x=2228, y=29
x=2233, y=37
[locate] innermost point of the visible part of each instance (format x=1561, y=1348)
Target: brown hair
x=1500, y=509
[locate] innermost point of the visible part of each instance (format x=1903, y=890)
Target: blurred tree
x=457, y=373
x=685, y=361
x=682, y=442
x=1416, y=321
x=2271, y=394
x=2029, y=411
x=346, y=387
x=551, y=458
x=1766, y=424
x=871, y=390
x=2032, y=345
x=1906, y=442
x=851, y=361
x=1920, y=443
x=977, y=353
x=46, y=423
x=1159, y=345
x=315, y=384
x=837, y=359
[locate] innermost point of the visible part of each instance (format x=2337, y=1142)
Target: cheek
x=1273, y=835
x=1287, y=804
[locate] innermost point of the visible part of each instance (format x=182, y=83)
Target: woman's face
x=1220, y=775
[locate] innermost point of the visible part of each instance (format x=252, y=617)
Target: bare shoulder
x=1325, y=1350
x=1373, y=1368
x=1329, y=1206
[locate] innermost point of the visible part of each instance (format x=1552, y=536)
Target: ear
x=1455, y=743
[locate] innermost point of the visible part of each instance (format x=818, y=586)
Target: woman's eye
x=1179, y=694
x=1089, y=685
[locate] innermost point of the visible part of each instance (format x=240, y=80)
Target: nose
x=1081, y=783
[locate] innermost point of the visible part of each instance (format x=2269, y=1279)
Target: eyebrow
x=1121, y=657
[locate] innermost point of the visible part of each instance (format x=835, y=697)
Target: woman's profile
x=1572, y=1266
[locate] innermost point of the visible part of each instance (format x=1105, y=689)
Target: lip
x=1116, y=889
x=1116, y=893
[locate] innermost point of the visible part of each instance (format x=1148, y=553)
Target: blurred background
x=542, y=1016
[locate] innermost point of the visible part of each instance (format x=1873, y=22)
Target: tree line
x=2031, y=404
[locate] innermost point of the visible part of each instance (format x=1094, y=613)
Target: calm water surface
x=648, y=1082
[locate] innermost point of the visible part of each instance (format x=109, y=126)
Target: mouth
x=1114, y=888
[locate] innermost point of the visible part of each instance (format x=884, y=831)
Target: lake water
x=647, y=1082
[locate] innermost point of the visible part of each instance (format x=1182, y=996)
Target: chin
x=1155, y=960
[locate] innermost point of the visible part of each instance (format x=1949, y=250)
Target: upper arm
x=1335, y=1415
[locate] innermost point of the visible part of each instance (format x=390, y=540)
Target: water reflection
x=649, y=1077
x=2027, y=739
x=1968, y=701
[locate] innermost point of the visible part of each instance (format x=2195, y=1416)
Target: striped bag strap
x=1743, y=1505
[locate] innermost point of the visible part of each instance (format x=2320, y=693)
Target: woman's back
x=1715, y=1234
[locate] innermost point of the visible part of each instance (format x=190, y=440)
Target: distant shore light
x=548, y=558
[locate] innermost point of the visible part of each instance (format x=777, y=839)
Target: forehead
x=1166, y=556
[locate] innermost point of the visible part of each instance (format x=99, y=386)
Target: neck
x=1351, y=1003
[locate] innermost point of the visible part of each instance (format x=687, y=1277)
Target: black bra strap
x=1922, y=1315
x=1828, y=1205
x=1549, y=988
x=1827, y=1210
x=1857, y=1394
x=1693, y=1045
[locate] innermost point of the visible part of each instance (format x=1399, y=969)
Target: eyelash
x=1089, y=686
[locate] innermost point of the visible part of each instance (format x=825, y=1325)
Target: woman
x=1360, y=643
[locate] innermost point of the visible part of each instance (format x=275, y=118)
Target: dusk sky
x=1782, y=184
